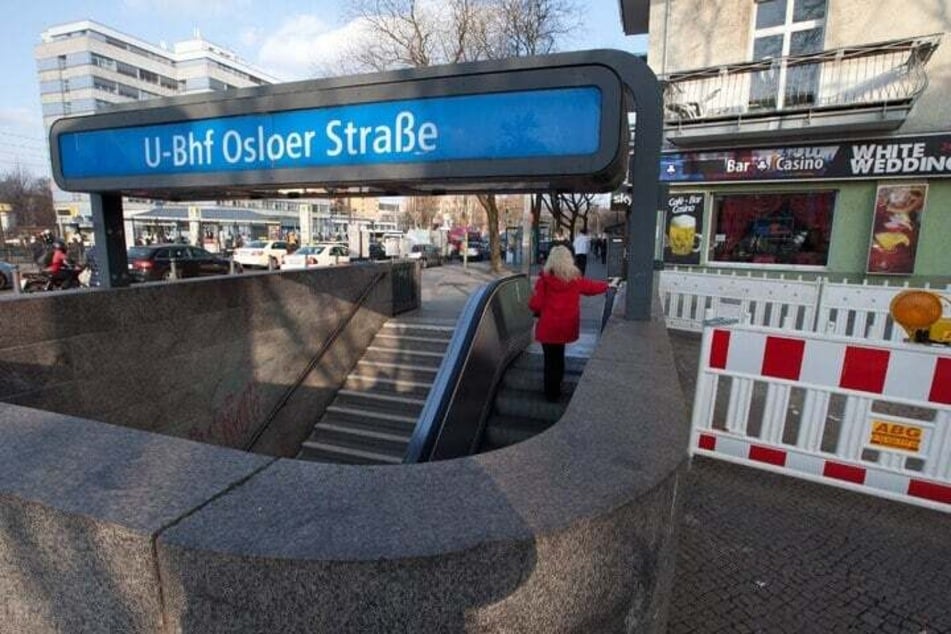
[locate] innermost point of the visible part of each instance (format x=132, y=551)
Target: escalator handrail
x=432, y=418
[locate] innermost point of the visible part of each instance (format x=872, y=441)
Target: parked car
x=377, y=252
x=263, y=253
x=321, y=254
x=429, y=254
x=6, y=275
x=154, y=262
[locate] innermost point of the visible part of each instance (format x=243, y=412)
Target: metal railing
x=887, y=73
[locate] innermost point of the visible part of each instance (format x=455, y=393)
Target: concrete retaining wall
x=112, y=529
x=204, y=359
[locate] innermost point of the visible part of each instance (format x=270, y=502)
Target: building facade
x=85, y=67
x=806, y=136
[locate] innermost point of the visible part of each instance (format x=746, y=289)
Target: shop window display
x=788, y=229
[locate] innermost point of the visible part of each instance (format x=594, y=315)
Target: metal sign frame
x=599, y=171
x=626, y=84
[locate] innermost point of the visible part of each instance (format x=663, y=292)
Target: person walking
x=556, y=301
x=582, y=245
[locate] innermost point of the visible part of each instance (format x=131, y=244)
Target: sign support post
x=109, y=230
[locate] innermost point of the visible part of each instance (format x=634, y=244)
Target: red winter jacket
x=558, y=305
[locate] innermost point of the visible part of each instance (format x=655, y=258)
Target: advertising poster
x=895, y=227
x=683, y=229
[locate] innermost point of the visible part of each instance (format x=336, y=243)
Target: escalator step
x=502, y=431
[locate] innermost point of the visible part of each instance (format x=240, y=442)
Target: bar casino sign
x=898, y=157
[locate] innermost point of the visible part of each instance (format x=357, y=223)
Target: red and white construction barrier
x=878, y=445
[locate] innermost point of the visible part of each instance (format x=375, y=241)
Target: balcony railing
x=874, y=75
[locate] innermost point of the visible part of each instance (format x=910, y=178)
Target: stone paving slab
x=762, y=552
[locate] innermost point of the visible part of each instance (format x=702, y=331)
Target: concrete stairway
x=520, y=410
x=375, y=412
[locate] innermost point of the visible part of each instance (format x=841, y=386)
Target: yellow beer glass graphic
x=683, y=235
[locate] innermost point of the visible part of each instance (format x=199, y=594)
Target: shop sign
x=887, y=434
x=621, y=199
x=683, y=230
x=895, y=227
x=898, y=157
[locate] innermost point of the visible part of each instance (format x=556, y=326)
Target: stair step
x=418, y=330
x=357, y=419
x=320, y=452
x=378, y=403
x=386, y=398
x=381, y=385
x=374, y=441
x=407, y=342
x=377, y=416
x=395, y=371
x=403, y=357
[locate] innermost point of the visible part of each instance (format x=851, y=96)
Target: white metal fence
x=872, y=417
x=856, y=310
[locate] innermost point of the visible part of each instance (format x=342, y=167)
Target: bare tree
x=421, y=211
x=576, y=207
x=413, y=33
x=29, y=197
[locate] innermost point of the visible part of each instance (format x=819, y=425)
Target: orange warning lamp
x=919, y=313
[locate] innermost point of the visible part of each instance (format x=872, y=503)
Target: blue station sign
x=516, y=128
x=505, y=125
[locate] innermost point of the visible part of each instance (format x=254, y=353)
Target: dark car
x=377, y=252
x=429, y=255
x=154, y=262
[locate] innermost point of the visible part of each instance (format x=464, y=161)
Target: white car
x=314, y=255
x=262, y=253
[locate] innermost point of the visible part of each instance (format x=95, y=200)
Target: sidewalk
x=761, y=552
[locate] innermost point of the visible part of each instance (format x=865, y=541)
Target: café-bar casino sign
x=912, y=157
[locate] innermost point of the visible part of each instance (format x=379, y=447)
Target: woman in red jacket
x=557, y=303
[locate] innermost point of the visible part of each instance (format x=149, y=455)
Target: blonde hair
x=561, y=263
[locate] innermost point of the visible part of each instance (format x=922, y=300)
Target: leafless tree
x=421, y=211
x=414, y=33
x=29, y=197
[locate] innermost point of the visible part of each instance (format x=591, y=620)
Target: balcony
x=847, y=90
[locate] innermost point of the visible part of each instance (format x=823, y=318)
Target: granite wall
x=104, y=528
x=207, y=359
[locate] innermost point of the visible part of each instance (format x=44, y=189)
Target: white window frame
x=786, y=30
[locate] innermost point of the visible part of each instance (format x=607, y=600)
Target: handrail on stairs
x=325, y=346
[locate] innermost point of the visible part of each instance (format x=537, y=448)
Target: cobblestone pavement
x=761, y=552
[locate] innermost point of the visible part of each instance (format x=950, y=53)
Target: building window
x=127, y=69
x=786, y=28
x=788, y=229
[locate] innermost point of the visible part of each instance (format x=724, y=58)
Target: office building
x=84, y=67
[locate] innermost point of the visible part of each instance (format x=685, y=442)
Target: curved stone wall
x=113, y=529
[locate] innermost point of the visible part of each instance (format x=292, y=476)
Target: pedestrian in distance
x=561, y=240
x=556, y=301
x=582, y=245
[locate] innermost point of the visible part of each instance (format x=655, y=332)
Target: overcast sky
x=282, y=37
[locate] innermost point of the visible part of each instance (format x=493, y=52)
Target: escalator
x=519, y=409
x=427, y=392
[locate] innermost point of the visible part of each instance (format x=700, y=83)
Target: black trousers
x=554, y=369
x=581, y=261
